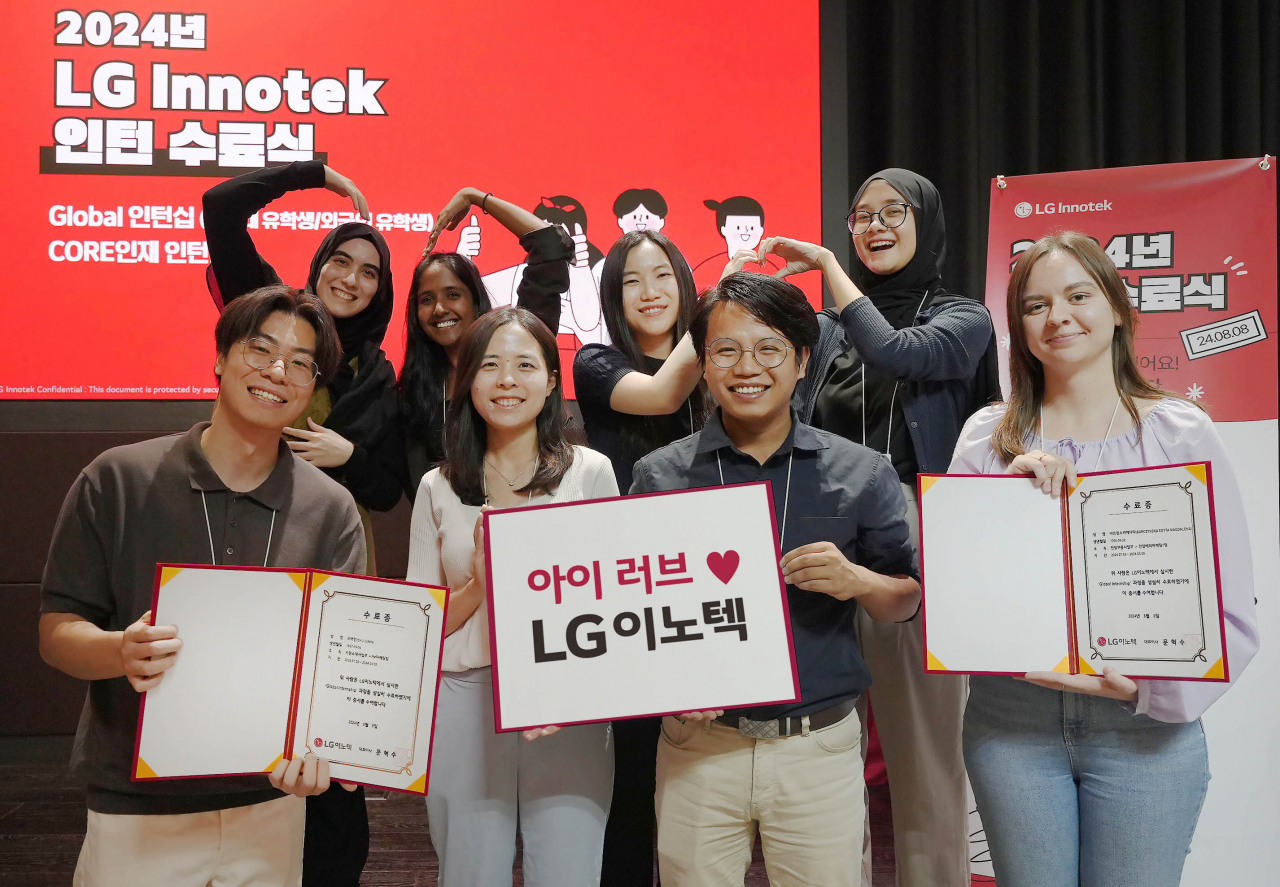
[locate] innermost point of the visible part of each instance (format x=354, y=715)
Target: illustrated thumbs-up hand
x=469, y=241
x=581, y=254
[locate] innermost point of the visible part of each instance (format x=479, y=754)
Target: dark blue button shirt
x=840, y=492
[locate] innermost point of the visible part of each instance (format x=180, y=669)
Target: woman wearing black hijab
x=900, y=365
x=350, y=427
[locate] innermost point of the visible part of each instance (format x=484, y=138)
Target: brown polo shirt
x=143, y=504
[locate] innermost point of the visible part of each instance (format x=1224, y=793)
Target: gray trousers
x=486, y=785
x=919, y=718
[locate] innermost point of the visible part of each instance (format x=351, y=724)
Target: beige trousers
x=919, y=718
x=255, y=846
x=716, y=787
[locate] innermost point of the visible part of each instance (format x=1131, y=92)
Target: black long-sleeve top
x=542, y=286
x=374, y=473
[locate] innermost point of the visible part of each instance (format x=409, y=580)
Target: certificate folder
x=1122, y=571
x=278, y=662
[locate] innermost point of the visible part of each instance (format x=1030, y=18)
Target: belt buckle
x=759, y=729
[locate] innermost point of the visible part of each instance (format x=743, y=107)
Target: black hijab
x=364, y=402
x=902, y=295
x=898, y=296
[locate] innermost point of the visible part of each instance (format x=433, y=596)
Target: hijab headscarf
x=902, y=295
x=363, y=399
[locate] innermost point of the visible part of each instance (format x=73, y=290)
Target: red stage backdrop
x=1196, y=245
x=124, y=117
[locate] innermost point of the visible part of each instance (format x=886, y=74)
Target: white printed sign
x=637, y=606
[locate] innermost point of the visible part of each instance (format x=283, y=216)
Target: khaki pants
x=255, y=846
x=715, y=787
x=919, y=718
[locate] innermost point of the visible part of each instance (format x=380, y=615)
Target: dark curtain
x=963, y=90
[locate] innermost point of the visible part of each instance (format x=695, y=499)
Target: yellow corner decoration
x=279, y=758
x=925, y=483
x=1086, y=668
x=419, y=785
x=1198, y=472
x=318, y=580
x=144, y=771
x=1064, y=666
x=934, y=664
x=300, y=580
x=167, y=573
x=439, y=595
x=1219, y=670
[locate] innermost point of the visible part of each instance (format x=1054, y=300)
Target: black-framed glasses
x=769, y=353
x=298, y=368
x=891, y=216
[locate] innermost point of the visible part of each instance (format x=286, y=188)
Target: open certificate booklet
x=276, y=663
x=1123, y=572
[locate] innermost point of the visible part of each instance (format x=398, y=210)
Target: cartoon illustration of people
x=640, y=209
x=740, y=221
x=581, y=316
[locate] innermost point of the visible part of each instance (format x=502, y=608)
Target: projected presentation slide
x=601, y=118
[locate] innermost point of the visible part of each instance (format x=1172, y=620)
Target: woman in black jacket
x=900, y=365
x=350, y=428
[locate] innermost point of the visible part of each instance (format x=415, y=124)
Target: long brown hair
x=465, y=432
x=1026, y=373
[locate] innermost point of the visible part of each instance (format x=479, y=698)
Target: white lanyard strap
x=1105, y=437
x=213, y=556
x=893, y=399
x=786, y=497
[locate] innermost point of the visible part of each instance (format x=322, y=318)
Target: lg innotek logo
x=1024, y=209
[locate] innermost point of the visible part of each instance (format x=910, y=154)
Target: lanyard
x=892, y=399
x=213, y=557
x=1105, y=437
x=786, y=498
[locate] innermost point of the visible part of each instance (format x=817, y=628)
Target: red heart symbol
x=723, y=566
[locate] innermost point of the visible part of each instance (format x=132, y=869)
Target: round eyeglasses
x=768, y=353
x=891, y=216
x=261, y=354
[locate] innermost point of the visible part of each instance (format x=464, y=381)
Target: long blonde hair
x=1026, y=373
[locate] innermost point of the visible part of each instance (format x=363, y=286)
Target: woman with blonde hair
x=1088, y=780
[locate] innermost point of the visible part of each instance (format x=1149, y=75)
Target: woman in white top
x=506, y=448
x=1084, y=780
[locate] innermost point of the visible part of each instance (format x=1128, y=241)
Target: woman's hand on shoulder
x=1048, y=471
x=322, y=447
x=340, y=184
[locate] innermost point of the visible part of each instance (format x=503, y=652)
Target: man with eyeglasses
x=793, y=771
x=228, y=491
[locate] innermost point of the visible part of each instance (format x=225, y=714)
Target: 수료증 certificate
x=278, y=663
x=1123, y=572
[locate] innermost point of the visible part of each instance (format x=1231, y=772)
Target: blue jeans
x=1074, y=791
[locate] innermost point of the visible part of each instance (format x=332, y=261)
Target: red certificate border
x=1066, y=542
x=298, y=649
x=782, y=590
x=1066, y=572
x=1217, y=571
x=435, y=696
x=155, y=603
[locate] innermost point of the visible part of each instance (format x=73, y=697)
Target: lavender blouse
x=1173, y=432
